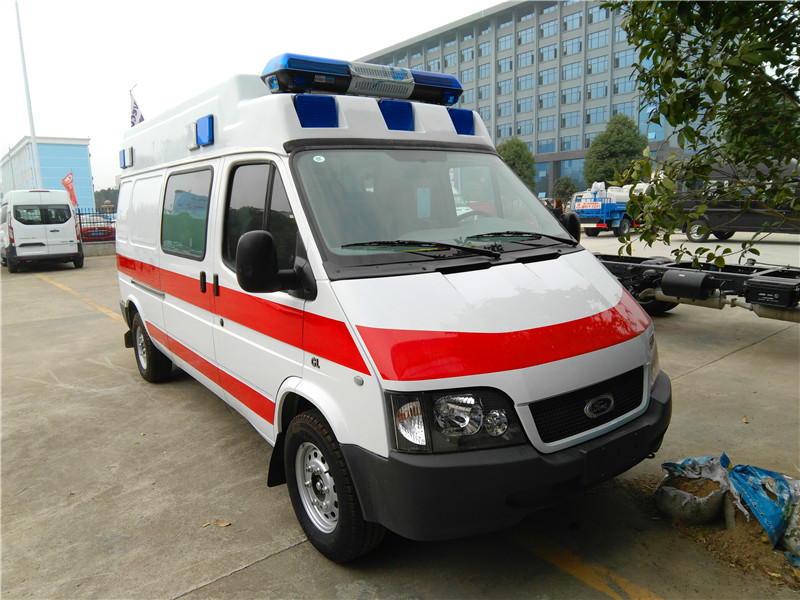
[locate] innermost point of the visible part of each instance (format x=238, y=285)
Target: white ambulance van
x=342, y=256
x=39, y=226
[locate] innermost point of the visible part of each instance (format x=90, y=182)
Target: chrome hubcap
x=317, y=488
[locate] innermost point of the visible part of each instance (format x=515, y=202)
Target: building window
x=484, y=70
x=505, y=42
x=485, y=112
x=624, y=58
x=449, y=43
x=484, y=49
x=570, y=119
x=598, y=39
x=434, y=65
x=547, y=76
x=550, y=7
x=589, y=137
x=417, y=66
x=596, y=14
x=504, y=109
x=466, y=36
x=548, y=53
x=626, y=108
x=504, y=130
x=573, y=21
x=596, y=115
x=508, y=22
x=417, y=54
x=450, y=60
x=468, y=96
x=484, y=92
x=485, y=28
x=434, y=48
x=596, y=90
x=547, y=123
x=525, y=59
x=619, y=34
x=467, y=54
x=598, y=64
x=504, y=65
x=572, y=46
x=547, y=100
x=572, y=169
x=548, y=29
x=467, y=75
x=525, y=82
x=569, y=142
x=525, y=36
x=525, y=105
x=546, y=145
x=571, y=95
x=623, y=85
x=571, y=71
x=505, y=87
x=526, y=17
x=525, y=127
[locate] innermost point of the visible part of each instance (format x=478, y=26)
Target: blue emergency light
x=295, y=73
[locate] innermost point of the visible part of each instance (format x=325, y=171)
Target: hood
x=433, y=326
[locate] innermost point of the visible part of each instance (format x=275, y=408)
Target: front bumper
x=442, y=496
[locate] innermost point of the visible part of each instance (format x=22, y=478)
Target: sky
x=83, y=56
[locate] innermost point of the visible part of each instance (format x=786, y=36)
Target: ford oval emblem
x=599, y=406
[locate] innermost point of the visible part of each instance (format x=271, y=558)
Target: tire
x=593, y=232
x=723, y=235
x=13, y=265
x=657, y=307
x=322, y=491
x=624, y=228
x=153, y=365
x=78, y=262
x=694, y=233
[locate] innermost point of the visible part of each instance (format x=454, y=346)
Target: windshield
x=368, y=204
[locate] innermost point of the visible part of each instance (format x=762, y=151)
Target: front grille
x=563, y=416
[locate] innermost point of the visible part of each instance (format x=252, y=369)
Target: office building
x=550, y=73
x=58, y=157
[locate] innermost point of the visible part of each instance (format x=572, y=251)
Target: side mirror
x=572, y=223
x=257, y=265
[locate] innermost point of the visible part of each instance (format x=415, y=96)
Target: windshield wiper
x=471, y=249
x=527, y=234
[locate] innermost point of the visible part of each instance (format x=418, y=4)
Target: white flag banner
x=136, y=114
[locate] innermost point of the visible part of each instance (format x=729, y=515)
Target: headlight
x=451, y=421
x=655, y=367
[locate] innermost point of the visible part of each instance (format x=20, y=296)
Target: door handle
x=216, y=285
x=202, y=282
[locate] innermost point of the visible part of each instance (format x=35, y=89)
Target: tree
x=614, y=150
x=516, y=155
x=726, y=76
x=563, y=188
x=107, y=194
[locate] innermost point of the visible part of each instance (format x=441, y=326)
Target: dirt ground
x=746, y=547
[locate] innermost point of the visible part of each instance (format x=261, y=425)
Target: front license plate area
x=614, y=457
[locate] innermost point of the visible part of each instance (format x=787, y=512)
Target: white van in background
x=39, y=226
x=367, y=282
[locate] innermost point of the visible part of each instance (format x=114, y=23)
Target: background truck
x=601, y=209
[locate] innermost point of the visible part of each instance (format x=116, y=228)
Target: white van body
x=39, y=226
x=425, y=346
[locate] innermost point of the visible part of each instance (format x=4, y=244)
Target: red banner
x=67, y=183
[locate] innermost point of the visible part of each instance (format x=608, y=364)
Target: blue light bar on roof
x=295, y=73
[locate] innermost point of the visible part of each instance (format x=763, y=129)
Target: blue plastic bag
x=766, y=493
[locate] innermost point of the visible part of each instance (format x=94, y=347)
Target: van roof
x=240, y=115
x=36, y=196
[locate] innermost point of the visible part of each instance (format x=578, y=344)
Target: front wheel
x=322, y=491
x=697, y=231
x=153, y=365
x=723, y=235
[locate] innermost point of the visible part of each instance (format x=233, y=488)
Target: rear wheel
x=723, y=235
x=78, y=262
x=153, y=365
x=13, y=265
x=322, y=491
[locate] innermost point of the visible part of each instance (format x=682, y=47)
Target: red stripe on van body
x=322, y=336
x=416, y=355
x=140, y=271
x=255, y=401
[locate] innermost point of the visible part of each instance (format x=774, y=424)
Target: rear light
x=77, y=226
x=10, y=233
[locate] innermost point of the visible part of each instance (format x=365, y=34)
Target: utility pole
x=37, y=172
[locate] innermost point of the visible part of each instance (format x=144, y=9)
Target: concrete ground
x=112, y=487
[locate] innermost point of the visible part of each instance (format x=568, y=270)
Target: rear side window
x=56, y=214
x=257, y=199
x=185, y=216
